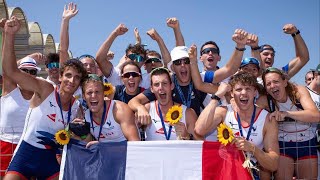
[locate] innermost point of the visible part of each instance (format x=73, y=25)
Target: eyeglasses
x=153, y=60
x=30, y=71
x=178, y=62
x=249, y=60
x=129, y=74
x=53, y=65
x=208, y=50
x=86, y=56
x=136, y=57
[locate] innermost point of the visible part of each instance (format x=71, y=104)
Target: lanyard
x=60, y=106
x=251, y=123
x=184, y=102
x=102, y=119
x=163, y=126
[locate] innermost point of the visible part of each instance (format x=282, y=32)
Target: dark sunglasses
x=129, y=74
x=86, y=56
x=153, y=60
x=136, y=57
x=273, y=69
x=94, y=77
x=178, y=62
x=53, y=65
x=30, y=71
x=208, y=50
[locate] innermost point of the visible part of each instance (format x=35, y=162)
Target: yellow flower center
x=225, y=134
x=63, y=136
x=175, y=115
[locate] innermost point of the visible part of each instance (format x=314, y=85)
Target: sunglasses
x=95, y=77
x=152, y=60
x=136, y=57
x=86, y=56
x=178, y=62
x=208, y=50
x=249, y=60
x=129, y=74
x=273, y=69
x=53, y=65
x=30, y=71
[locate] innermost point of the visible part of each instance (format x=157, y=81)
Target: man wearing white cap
x=14, y=106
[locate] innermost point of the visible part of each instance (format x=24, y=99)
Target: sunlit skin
x=267, y=57
x=244, y=96
x=89, y=64
x=94, y=96
x=149, y=66
x=210, y=60
x=308, y=78
x=70, y=80
x=131, y=83
x=162, y=89
x=252, y=69
x=275, y=86
x=183, y=73
x=53, y=75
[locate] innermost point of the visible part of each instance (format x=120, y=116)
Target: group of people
x=273, y=120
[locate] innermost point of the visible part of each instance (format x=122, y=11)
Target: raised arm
x=69, y=11
x=174, y=24
x=102, y=54
x=9, y=62
x=212, y=115
x=302, y=52
x=137, y=36
x=240, y=38
x=163, y=48
x=125, y=117
x=253, y=42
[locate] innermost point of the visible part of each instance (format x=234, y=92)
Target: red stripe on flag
x=222, y=162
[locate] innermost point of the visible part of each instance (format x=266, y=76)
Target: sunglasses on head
x=30, y=71
x=152, y=60
x=86, y=56
x=208, y=50
x=136, y=57
x=53, y=65
x=129, y=74
x=95, y=77
x=249, y=60
x=179, y=61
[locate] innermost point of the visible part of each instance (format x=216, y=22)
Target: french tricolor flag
x=153, y=160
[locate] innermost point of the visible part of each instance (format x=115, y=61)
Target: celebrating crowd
x=273, y=120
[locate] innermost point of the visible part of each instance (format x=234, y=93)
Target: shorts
x=299, y=150
x=6, y=152
x=30, y=161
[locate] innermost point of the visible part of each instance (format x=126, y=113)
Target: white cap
x=29, y=63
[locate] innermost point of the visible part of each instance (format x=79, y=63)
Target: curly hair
x=243, y=78
x=76, y=64
x=137, y=49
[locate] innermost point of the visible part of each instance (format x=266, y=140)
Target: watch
x=215, y=97
x=296, y=33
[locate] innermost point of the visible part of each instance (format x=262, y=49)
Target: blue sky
x=200, y=21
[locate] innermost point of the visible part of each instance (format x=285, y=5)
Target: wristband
x=296, y=33
x=255, y=48
x=240, y=49
x=215, y=97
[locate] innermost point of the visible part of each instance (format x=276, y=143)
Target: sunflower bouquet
x=107, y=89
x=62, y=136
x=225, y=134
x=174, y=114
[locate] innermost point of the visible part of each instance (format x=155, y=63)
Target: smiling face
x=162, y=88
x=267, y=57
x=209, y=58
x=251, y=68
x=276, y=85
x=93, y=94
x=181, y=68
x=70, y=80
x=131, y=78
x=89, y=64
x=244, y=95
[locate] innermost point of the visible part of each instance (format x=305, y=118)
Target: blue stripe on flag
x=100, y=161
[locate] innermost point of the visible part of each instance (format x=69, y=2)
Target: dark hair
x=75, y=63
x=153, y=53
x=243, y=78
x=210, y=42
x=130, y=63
x=137, y=49
x=159, y=71
x=52, y=57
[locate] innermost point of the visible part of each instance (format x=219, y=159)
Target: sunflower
x=108, y=89
x=225, y=134
x=174, y=114
x=62, y=137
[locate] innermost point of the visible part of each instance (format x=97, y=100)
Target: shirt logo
x=52, y=117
